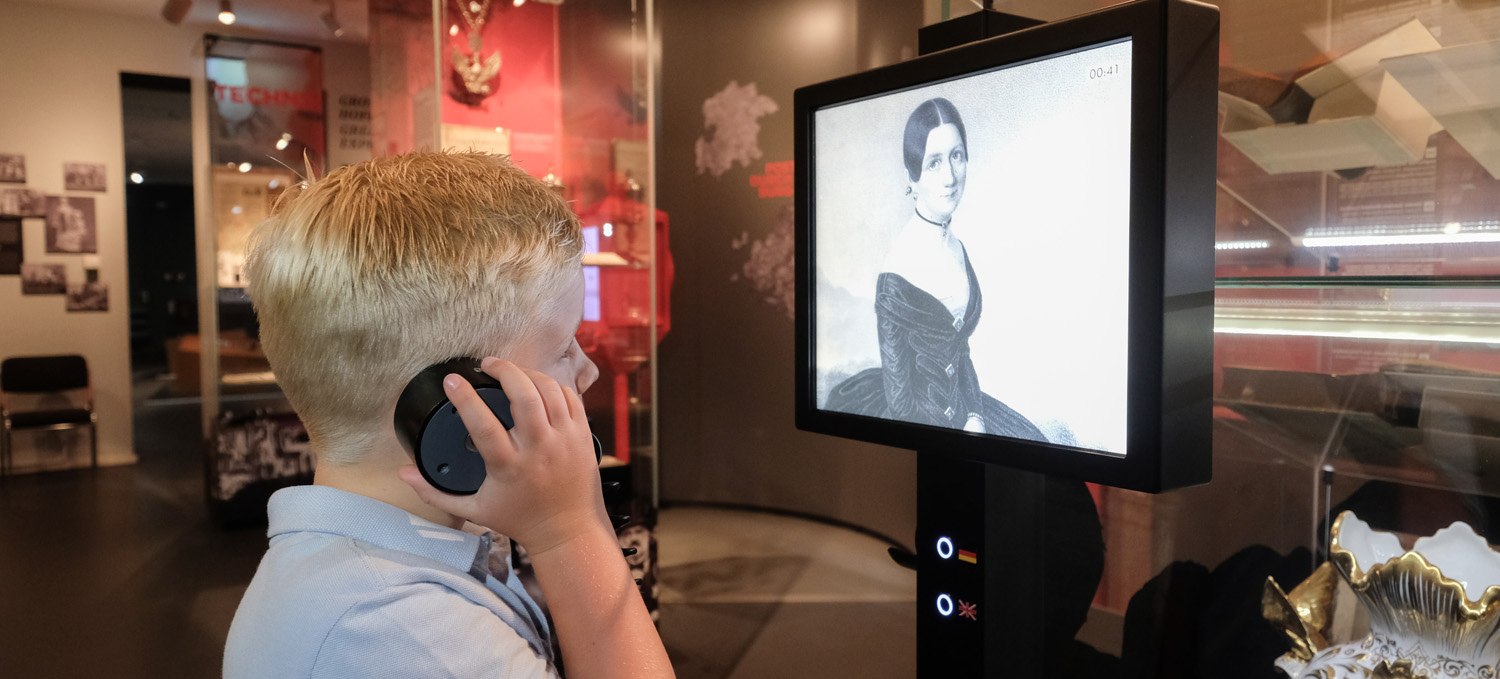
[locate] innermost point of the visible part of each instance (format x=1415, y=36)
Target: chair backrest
x=38, y=374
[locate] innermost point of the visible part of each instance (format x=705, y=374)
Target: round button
x=945, y=605
x=945, y=548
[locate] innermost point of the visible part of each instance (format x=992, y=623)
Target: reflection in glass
x=266, y=134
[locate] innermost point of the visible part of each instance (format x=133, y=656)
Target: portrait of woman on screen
x=928, y=300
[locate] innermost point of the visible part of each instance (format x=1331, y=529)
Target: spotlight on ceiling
x=331, y=20
x=137, y=178
x=174, y=11
x=226, y=12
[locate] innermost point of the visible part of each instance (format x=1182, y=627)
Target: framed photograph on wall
x=88, y=297
x=20, y=202
x=43, y=279
x=12, y=168
x=83, y=176
x=70, y=225
x=11, y=251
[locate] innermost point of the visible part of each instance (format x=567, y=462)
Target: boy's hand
x=541, y=485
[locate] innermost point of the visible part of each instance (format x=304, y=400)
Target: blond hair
x=382, y=268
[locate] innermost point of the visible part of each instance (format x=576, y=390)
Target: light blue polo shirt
x=354, y=587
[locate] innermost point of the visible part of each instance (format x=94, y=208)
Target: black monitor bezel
x=1143, y=22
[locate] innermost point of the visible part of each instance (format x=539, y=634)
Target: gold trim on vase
x=1422, y=623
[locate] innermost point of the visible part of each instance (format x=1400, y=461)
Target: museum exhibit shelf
x=1386, y=390
x=1377, y=395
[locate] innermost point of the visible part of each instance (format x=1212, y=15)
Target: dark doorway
x=159, y=227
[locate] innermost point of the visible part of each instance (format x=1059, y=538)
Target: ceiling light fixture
x=331, y=20
x=1242, y=245
x=226, y=13
x=137, y=178
x=1452, y=233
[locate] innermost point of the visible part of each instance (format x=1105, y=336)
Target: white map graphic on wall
x=731, y=123
x=769, y=267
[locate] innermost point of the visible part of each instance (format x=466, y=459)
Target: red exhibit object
x=621, y=340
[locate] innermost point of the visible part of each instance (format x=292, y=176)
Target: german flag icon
x=968, y=556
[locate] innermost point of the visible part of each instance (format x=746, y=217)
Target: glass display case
x=267, y=131
x=1357, y=322
x=1356, y=329
x=564, y=90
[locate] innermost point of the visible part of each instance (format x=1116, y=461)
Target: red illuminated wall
x=528, y=99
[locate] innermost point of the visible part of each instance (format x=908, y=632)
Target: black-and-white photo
x=88, y=297
x=12, y=250
x=254, y=449
x=43, y=279
x=83, y=176
x=18, y=202
x=972, y=249
x=70, y=225
x=12, y=168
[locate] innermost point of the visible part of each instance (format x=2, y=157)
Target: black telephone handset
x=434, y=435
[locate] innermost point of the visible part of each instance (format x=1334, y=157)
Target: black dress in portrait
x=927, y=377
x=926, y=374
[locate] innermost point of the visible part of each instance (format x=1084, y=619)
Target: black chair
x=42, y=375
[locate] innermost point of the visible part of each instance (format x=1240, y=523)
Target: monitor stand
x=980, y=527
x=981, y=569
x=986, y=23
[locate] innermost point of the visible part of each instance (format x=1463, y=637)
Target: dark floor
x=119, y=572
x=751, y=596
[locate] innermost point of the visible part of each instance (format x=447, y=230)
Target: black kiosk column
x=981, y=570
x=967, y=509
x=1066, y=170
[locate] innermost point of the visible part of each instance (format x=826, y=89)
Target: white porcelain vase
x=1434, y=610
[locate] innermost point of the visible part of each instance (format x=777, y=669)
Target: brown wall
x=727, y=431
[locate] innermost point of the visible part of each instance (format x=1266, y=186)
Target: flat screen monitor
x=1005, y=249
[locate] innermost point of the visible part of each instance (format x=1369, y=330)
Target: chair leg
x=94, y=444
x=5, y=453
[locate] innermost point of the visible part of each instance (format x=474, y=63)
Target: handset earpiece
x=429, y=426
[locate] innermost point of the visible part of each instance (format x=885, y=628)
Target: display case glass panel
x=1357, y=324
x=564, y=90
x=267, y=132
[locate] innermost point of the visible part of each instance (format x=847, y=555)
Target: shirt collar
x=324, y=509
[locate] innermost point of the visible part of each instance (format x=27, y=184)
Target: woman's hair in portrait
x=928, y=116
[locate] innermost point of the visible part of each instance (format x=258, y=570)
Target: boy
x=360, y=281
